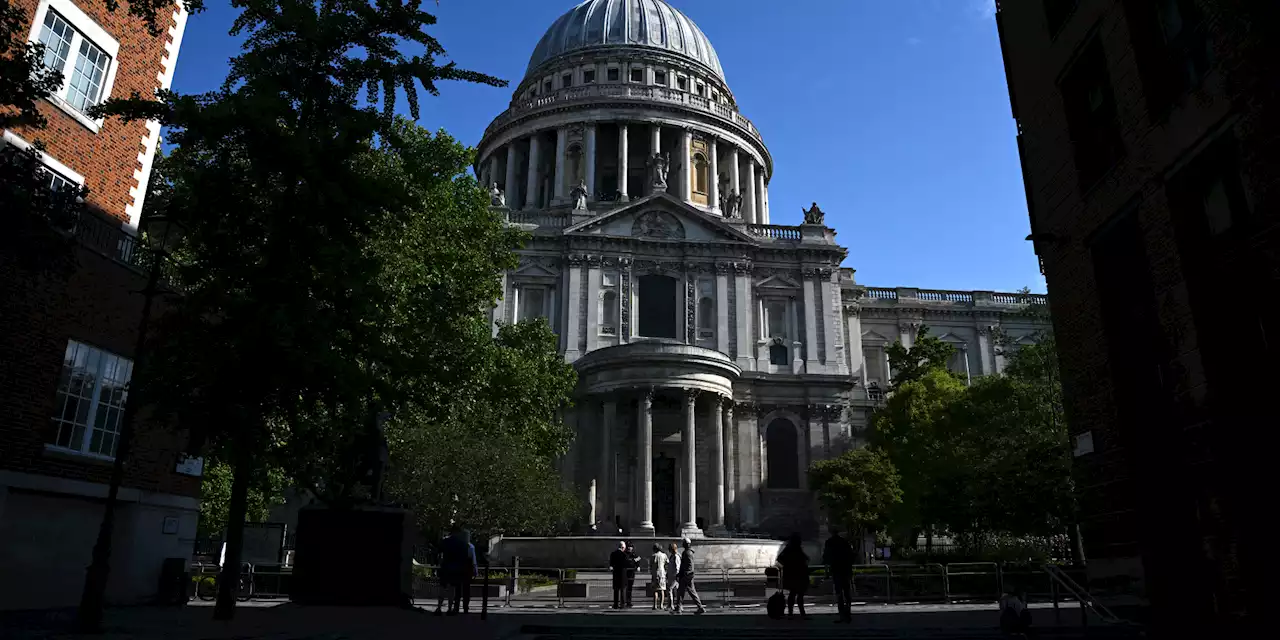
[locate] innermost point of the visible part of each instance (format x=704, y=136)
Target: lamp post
x=160, y=233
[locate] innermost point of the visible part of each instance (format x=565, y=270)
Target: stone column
x=746, y=338
x=562, y=142
x=510, y=184
x=493, y=169
x=623, y=170
x=686, y=171
x=655, y=146
x=714, y=178
x=985, y=352
x=531, y=192
x=749, y=195
x=735, y=173
x=588, y=420
x=793, y=334
x=573, y=302
x=690, y=502
x=762, y=209
x=810, y=284
x=717, y=467
x=593, y=303
x=730, y=480
x=964, y=353
x=591, y=161
x=644, y=449
x=765, y=197
x=607, y=500
x=853, y=345
x=723, y=269
x=829, y=307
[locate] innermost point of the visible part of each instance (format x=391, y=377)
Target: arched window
x=609, y=313
x=701, y=168
x=783, y=451
x=706, y=317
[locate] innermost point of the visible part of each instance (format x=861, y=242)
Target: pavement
x=265, y=620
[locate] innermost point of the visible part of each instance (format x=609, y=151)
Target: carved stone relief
x=658, y=224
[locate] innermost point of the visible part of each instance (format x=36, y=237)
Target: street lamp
x=160, y=234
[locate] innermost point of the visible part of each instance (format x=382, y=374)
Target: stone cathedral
x=719, y=354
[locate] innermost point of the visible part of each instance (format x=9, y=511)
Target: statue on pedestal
x=732, y=205
x=813, y=215
x=579, y=195
x=497, y=197
x=659, y=163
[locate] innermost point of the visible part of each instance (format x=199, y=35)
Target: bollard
x=484, y=592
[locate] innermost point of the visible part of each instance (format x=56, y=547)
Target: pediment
x=660, y=217
x=534, y=270
x=952, y=338
x=871, y=337
x=777, y=282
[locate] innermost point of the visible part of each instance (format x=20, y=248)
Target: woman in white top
x=658, y=573
x=673, y=569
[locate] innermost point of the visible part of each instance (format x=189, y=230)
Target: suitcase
x=776, y=606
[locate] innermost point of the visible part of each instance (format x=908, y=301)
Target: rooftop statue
x=813, y=215
x=496, y=196
x=659, y=163
x=579, y=194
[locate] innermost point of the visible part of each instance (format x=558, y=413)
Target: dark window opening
x=660, y=77
x=682, y=84
x=1057, y=12
x=1091, y=115
x=778, y=354
x=588, y=76
x=783, y=451
x=566, y=80
x=1209, y=203
x=637, y=75
x=546, y=87
x=657, y=307
x=1171, y=46
x=612, y=75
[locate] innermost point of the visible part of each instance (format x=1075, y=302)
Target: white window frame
x=50, y=163
x=522, y=289
x=85, y=29
x=94, y=400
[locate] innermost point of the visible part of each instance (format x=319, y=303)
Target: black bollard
x=484, y=593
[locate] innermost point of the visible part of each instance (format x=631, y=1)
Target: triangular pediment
x=873, y=338
x=660, y=217
x=951, y=338
x=778, y=282
x=535, y=270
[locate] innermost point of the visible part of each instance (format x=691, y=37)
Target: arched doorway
x=783, y=458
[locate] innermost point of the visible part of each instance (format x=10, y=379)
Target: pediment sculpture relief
x=658, y=224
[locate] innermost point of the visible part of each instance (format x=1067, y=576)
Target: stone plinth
x=353, y=557
x=593, y=552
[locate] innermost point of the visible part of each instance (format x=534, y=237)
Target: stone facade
x=718, y=355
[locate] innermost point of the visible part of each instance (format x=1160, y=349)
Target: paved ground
x=283, y=621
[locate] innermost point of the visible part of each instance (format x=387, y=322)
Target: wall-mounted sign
x=170, y=525
x=190, y=466
x=1084, y=444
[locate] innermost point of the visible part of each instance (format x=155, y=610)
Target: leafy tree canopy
x=858, y=489
x=927, y=353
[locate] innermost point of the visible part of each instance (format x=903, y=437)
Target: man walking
x=633, y=563
x=686, y=580
x=618, y=562
x=838, y=556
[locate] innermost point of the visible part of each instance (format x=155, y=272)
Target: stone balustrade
x=941, y=296
x=775, y=231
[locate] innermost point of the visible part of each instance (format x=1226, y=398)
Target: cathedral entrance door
x=664, y=495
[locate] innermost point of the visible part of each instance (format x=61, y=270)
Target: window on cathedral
x=701, y=171
x=656, y=310
x=682, y=83
x=589, y=76
x=782, y=455
x=779, y=354
x=546, y=87
x=959, y=361
x=609, y=313
x=612, y=74
x=874, y=366
x=566, y=80
x=660, y=77
x=534, y=302
x=637, y=75
x=776, y=319
x=706, y=318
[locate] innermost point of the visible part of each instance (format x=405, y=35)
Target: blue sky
x=893, y=116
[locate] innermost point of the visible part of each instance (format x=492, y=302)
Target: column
x=810, y=285
x=493, y=169
x=714, y=178
x=853, y=346
x=644, y=463
x=746, y=338
x=985, y=352
x=830, y=319
x=591, y=161
x=722, y=307
x=593, y=303
x=964, y=353
x=510, y=184
x=735, y=173
x=655, y=146
x=587, y=416
x=765, y=197
x=610, y=409
x=749, y=194
x=690, y=500
x=730, y=481
x=622, y=161
x=793, y=334
x=573, y=302
x=717, y=466
x=562, y=141
x=686, y=164
x=531, y=193
x=762, y=212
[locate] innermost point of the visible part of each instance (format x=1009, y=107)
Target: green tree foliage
x=925, y=355
x=215, y=496
x=858, y=489
x=301, y=321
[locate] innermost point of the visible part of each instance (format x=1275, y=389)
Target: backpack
x=776, y=606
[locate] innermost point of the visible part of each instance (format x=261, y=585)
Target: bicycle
x=206, y=584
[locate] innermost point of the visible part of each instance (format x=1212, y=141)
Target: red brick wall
x=107, y=159
x=98, y=303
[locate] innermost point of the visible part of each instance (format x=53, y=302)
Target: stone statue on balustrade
x=732, y=205
x=497, y=197
x=659, y=163
x=579, y=195
x=814, y=215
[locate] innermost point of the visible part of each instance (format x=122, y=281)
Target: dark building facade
x=1148, y=131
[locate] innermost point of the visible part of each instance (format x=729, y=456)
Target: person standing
x=795, y=574
x=458, y=568
x=686, y=580
x=633, y=564
x=838, y=556
x=658, y=575
x=618, y=562
x=673, y=577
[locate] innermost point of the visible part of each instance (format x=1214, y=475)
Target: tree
x=858, y=488
x=926, y=354
x=293, y=333
x=215, y=496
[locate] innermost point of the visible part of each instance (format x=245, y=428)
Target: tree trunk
x=229, y=578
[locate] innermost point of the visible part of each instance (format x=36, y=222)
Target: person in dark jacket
x=618, y=562
x=458, y=568
x=633, y=563
x=838, y=556
x=795, y=574
x=685, y=577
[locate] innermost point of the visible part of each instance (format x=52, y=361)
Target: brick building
x=69, y=336
x=1147, y=134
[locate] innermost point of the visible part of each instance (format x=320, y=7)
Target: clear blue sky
x=892, y=115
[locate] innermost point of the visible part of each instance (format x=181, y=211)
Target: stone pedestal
x=353, y=557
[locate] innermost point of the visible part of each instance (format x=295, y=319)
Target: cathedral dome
x=629, y=23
